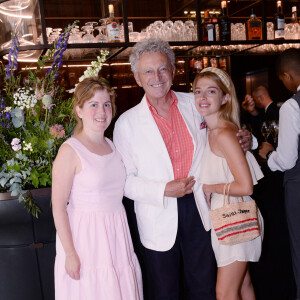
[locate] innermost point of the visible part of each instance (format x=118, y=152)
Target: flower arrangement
x=35, y=120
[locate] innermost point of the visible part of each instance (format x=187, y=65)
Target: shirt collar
x=153, y=109
x=268, y=106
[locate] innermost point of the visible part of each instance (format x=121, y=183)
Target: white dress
x=214, y=170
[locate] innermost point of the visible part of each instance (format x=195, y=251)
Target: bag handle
x=226, y=194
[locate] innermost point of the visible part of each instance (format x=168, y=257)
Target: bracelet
x=269, y=154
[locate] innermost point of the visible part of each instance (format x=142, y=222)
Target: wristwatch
x=269, y=154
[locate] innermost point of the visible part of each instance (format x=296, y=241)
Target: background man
x=261, y=109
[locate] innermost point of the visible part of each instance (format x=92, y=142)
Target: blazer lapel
x=151, y=132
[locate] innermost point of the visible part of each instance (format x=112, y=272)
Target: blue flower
x=60, y=47
x=12, y=57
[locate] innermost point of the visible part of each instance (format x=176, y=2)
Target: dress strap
x=78, y=148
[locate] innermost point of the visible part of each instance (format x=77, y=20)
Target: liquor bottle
x=208, y=28
x=294, y=18
x=254, y=27
x=224, y=23
x=214, y=20
x=214, y=17
x=279, y=22
x=112, y=26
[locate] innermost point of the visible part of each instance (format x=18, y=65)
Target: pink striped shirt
x=177, y=139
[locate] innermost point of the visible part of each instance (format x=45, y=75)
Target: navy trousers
x=292, y=207
x=188, y=269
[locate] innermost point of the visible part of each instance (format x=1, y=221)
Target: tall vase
x=27, y=249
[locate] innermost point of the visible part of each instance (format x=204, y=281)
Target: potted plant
x=35, y=119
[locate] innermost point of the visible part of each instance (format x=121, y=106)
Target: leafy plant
x=35, y=120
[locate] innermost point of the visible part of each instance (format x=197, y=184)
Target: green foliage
x=41, y=120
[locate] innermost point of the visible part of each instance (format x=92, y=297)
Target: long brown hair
x=85, y=90
x=229, y=111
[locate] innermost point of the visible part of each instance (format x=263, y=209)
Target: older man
x=161, y=142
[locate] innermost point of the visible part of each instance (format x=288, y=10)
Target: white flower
x=17, y=147
x=27, y=146
x=93, y=71
x=16, y=144
x=24, y=98
x=15, y=141
x=7, y=109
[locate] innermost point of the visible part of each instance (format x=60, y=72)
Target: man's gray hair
x=148, y=46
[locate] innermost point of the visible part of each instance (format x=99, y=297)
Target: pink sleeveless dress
x=109, y=266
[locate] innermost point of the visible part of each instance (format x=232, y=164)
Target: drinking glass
x=92, y=24
x=151, y=32
x=54, y=36
x=158, y=29
x=167, y=30
x=88, y=37
x=130, y=27
x=265, y=130
x=177, y=30
x=48, y=31
x=143, y=34
x=274, y=129
x=189, y=23
x=294, y=31
x=288, y=34
x=101, y=37
x=217, y=32
x=240, y=31
x=270, y=31
x=233, y=32
x=102, y=22
x=158, y=25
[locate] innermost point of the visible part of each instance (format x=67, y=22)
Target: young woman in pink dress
x=95, y=259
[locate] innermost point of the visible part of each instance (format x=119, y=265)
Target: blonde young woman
x=224, y=162
x=95, y=258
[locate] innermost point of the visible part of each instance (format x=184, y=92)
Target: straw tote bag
x=235, y=222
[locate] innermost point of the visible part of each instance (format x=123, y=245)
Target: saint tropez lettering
x=233, y=213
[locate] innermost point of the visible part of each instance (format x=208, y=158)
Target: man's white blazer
x=149, y=169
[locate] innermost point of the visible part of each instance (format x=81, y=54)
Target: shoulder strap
x=78, y=148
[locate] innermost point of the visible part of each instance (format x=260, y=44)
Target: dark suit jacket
x=272, y=113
